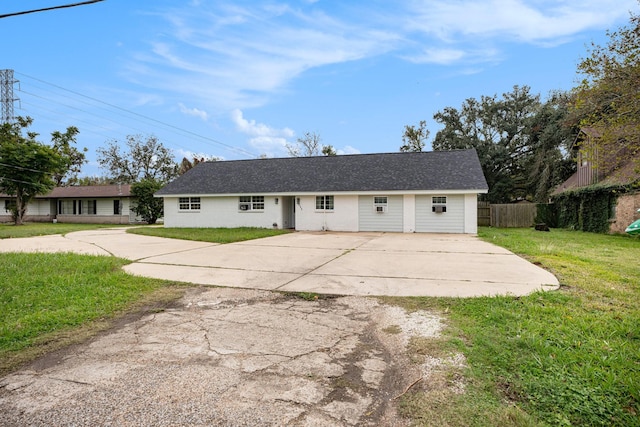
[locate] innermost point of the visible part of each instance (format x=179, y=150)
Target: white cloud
x=437, y=56
x=236, y=57
x=530, y=21
x=193, y=112
x=190, y=155
x=250, y=127
x=265, y=139
x=347, y=149
x=225, y=55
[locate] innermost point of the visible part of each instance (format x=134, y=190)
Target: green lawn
x=44, y=228
x=567, y=357
x=47, y=300
x=213, y=235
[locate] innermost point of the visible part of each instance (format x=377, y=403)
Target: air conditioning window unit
x=438, y=209
x=381, y=209
x=244, y=207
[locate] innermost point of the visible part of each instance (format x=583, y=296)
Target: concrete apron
x=392, y=264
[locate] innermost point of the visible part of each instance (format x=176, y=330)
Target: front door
x=289, y=212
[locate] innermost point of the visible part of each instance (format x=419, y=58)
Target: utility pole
x=6, y=95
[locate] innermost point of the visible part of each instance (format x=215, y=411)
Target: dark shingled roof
x=86, y=191
x=436, y=170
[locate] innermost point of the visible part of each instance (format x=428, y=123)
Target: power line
x=151, y=119
x=6, y=15
x=22, y=168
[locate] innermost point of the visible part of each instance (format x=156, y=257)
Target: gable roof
x=435, y=170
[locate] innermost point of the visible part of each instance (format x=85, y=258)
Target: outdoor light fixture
x=276, y=200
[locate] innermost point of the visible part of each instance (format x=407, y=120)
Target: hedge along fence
x=587, y=209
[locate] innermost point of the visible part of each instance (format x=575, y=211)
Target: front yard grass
x=212, y=235
x=559, y=358
x=50, y=300
x=32, y=229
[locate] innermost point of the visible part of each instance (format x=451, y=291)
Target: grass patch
x=45, y=298
x=393, y=330
x=567, y=357
x=213, y=235
x=32, y=229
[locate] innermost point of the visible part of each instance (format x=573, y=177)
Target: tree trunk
x=21, y=208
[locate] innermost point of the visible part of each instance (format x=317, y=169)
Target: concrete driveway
x=393, y=264
x=246, y=357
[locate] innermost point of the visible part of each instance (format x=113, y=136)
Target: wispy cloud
x=265, y=139
x=237, y=56
x=228, y=55
x=193, y=112
x=526, y=21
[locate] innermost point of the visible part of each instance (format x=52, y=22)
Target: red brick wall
x=626, y=212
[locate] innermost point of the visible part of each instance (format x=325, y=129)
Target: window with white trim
x=439, y=204
x=380, y=204
x=189, y=203
x=251, y=203
x=324, y=203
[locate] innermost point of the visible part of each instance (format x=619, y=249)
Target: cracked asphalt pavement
x=229, y=357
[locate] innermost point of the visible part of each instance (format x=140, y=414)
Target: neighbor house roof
x=88, y=191
x=436, y=170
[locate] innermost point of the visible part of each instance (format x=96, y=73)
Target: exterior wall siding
x=344, y=216
x=45, y=210
x=451, y=221
x=222, y=212
x=391, y=220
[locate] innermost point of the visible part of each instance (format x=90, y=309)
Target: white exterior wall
x=451, y=221
x=471, y=213
x=391, y=220
x=39, y=207
x=405, y=213
x=222, y=212
x=344, y=216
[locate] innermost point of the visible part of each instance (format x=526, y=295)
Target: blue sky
x=238, y=79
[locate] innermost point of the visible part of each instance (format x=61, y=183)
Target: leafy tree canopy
x=27, y=167
x=414, y=138
x=148, y=207
x=142, y=159
x=607, y=99
x=521, y=142
x=498, y=128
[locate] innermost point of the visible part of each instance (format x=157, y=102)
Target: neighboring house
x=99, y=204
x=397, y=192
x=613, y=172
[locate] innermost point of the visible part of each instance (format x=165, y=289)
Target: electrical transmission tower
x=6, y=95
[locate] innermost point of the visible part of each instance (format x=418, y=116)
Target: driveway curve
x=392, y=264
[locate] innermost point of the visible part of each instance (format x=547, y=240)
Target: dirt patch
x=229, y=357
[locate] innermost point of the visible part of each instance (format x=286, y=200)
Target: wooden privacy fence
x=519, y=215
x=484, y=214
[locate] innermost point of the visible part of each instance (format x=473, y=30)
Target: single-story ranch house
x=398, y=192
x=98, y=204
